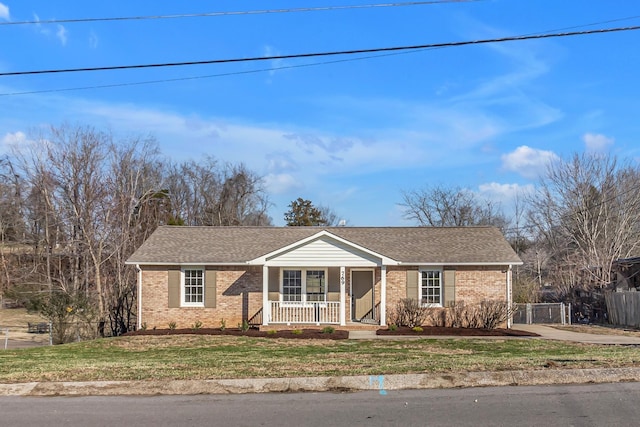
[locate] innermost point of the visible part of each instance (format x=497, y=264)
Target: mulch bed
x=303, y=333
x=338, y=334
x=457, y=332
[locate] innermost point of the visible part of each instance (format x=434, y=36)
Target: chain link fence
x=556, y=313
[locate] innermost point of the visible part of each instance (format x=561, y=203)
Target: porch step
x=347, y=327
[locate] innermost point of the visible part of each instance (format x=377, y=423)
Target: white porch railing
x=308, y=312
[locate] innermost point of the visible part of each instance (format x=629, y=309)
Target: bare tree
x=81, y=202
x=585, y=214
x=207, y=194
x=441, y=206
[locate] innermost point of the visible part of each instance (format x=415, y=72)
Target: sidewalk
x=550, y=333
x=545, y=332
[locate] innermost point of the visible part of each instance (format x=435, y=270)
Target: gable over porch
x=323, y=279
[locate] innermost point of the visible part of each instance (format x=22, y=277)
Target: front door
x=362, y=300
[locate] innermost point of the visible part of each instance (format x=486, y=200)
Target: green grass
x=211, y=357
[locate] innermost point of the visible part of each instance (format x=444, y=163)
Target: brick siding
x=239, y=294
x=238, y=297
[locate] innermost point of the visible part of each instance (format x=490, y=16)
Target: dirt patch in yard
x=14, y=325
x=457, y=332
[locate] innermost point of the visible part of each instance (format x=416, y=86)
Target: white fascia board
x=324, y=233
x=185, y=263
x=463, y=264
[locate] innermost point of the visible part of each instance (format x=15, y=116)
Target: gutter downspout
x=509, y=296
x=139, y=280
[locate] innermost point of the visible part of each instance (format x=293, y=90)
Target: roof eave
x=184, y=263
x=462, y=264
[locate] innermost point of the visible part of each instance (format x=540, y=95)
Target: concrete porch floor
x=350, y=326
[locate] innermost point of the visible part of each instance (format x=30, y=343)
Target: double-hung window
x=302, y=285
x=431, y=287
x=193, y=287
x=291, y=285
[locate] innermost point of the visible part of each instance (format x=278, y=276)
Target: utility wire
x=235, y=13
x=231, y=73
x=147, y=82
x=322, y=54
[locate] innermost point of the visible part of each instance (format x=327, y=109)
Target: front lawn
x=212, y=357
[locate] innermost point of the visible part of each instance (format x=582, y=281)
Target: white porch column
x=383, y=295
x=343, y=286
x=266, y=307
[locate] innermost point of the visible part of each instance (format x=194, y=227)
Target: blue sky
x=350, y=135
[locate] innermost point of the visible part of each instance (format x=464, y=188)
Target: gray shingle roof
x=409, y=245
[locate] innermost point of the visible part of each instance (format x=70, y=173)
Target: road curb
x=381, y=383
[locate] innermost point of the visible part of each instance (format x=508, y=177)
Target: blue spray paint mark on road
x=380, y=382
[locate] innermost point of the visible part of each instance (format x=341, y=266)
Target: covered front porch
x=324, y=296
x=323, y=280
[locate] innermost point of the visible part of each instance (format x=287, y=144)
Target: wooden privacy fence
x=623, y=308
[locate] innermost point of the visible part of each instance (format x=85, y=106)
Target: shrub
x=197, y=325
x=409, y=312
x=223, y=325
x=328, y=330
x=393, y=327
x=272, y=332
x=143, y=327
x=296, y=332
x=461, y=315
x=172, y=325
x=245, y=326
x=417, y=329
x=491, y=314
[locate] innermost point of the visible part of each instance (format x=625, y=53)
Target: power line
x=232, y=73
x=322, y=54
x=235, y=13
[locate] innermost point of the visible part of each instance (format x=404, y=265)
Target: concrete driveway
x=545, y=331
x=551, y=333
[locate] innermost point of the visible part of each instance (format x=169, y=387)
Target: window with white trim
x=316, y=288
x=291, y=285
x=193, y=287
x=302, y=285
x=431, y=287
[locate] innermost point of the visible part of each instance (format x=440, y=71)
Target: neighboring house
x=626, y=275
x=314, y=275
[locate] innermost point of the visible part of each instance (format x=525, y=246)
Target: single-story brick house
x=314, y=275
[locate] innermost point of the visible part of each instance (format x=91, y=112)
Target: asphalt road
x=579, y=405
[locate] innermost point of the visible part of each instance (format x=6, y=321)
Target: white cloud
x=528, y=162
x=504, y=192
x=61, y=34
x=276, y=63
x=12, y=139
x=93, y=40
x=282, y=183
x=4, y=12
x=597, y=143
x=42, y=30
